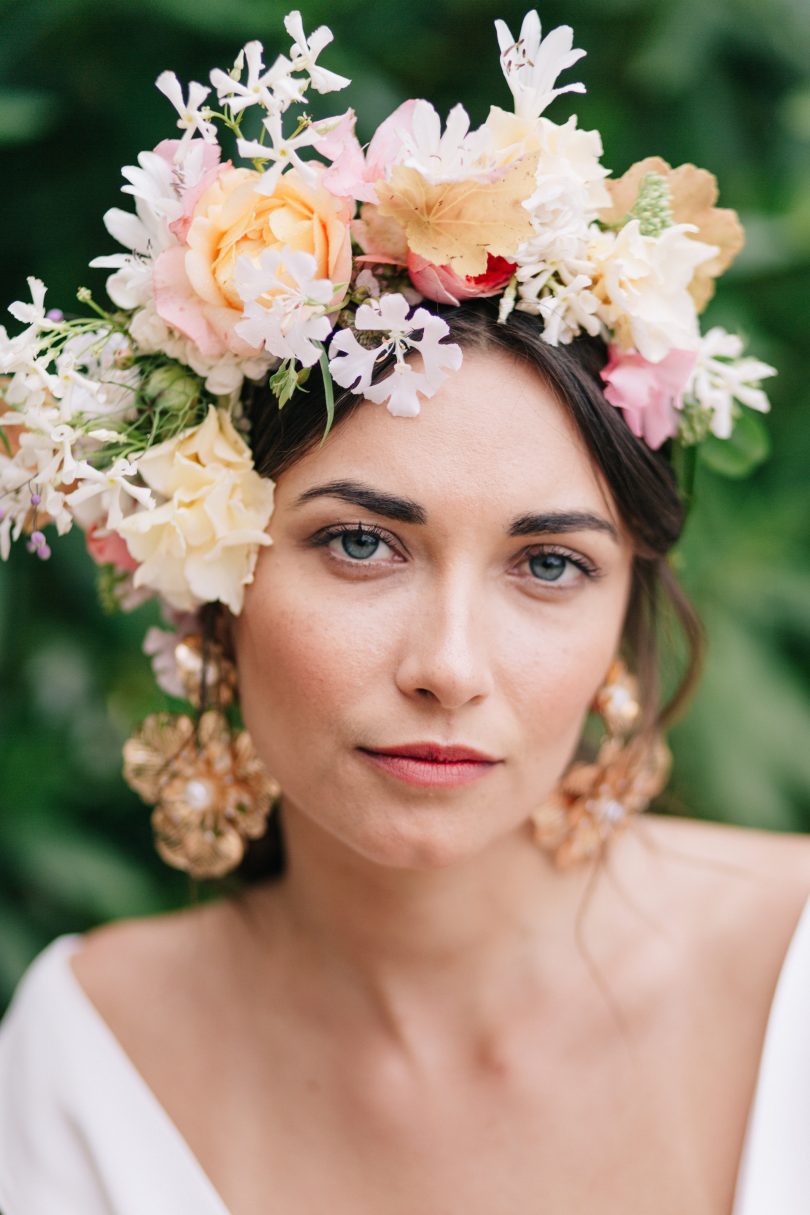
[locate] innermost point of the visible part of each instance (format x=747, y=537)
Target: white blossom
x=531, y=64
x=570, y=189
x=280, y=151
x=567, y=308
x=352, y=365
x=110, y=484
x=305, y=51
x=223, y=375
x=191, y=119
x=32, y=314
x=642, y=283
x=273, y=89
x=453, y=155
x=721, y=377
x=285, y=304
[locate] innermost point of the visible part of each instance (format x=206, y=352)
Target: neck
x=456, y=943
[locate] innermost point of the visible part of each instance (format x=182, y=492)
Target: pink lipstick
x=431, y=764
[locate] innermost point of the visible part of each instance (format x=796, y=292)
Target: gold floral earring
x=593, y=800
x=210, y=791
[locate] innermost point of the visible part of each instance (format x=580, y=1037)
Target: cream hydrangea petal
x=201, y=544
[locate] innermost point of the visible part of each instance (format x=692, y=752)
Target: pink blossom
x=387, y=142
x=108, y=548
x=442, y=284
x=352, y=174
x=649, y=393
x=197, y=166
x=347, y=178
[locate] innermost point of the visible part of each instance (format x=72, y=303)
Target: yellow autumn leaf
x=457, y=223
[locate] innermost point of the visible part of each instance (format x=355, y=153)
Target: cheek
x=305, y=665
x=556, y=661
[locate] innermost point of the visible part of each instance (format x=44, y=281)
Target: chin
x=420, y=846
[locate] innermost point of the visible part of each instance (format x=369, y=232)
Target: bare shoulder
x=741, y=888
x=140, y=972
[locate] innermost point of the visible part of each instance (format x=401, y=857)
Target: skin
x=446, y=632
x=412, y=1020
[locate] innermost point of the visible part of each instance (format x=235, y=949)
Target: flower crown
x=308, y=249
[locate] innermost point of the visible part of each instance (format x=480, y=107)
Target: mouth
x=431, y=764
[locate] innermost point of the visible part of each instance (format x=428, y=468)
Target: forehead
x=493, y=436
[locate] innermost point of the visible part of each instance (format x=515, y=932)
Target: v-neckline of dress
x=765, y=1122
x=206, y=1198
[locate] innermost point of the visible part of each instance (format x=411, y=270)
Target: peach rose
x=194, y=283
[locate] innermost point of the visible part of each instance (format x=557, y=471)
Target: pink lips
x=431, y=764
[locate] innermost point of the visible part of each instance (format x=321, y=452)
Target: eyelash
x=582, y=563
x=327, y=534
x=325, y=537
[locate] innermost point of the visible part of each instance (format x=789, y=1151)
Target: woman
x=420, y=1011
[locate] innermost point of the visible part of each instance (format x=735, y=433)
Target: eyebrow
x=405, y=510
x=561, y=522
x=374, y=500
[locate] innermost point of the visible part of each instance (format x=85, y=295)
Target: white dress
x=81, y=1133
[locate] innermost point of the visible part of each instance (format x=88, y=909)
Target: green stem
x=329, y=392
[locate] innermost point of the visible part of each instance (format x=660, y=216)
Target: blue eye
x=358, y=543
x=548, y=567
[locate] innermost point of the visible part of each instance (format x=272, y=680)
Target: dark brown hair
x=640, y=481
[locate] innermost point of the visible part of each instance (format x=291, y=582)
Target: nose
x=446, y=654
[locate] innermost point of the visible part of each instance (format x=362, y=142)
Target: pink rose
x=649, y=393
x=108, y=548
x=443, y=285
x=194, y=283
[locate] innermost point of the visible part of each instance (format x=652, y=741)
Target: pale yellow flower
x=642, y=285
x=200, y=544
x=693, y=193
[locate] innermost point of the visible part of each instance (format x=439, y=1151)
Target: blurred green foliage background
x=724, y=84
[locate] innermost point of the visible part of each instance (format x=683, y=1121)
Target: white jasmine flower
x=285, y=304
x=109, y=484
x=304, y=54
x=532, y=64
x=721, y=377
x=352, y=365
x=282, y=152
x=274, y=88
x=191, y=119
x=567, y=308
x=100, y=385
x=32, y=314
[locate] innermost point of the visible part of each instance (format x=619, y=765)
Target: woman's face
x=459, y=579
